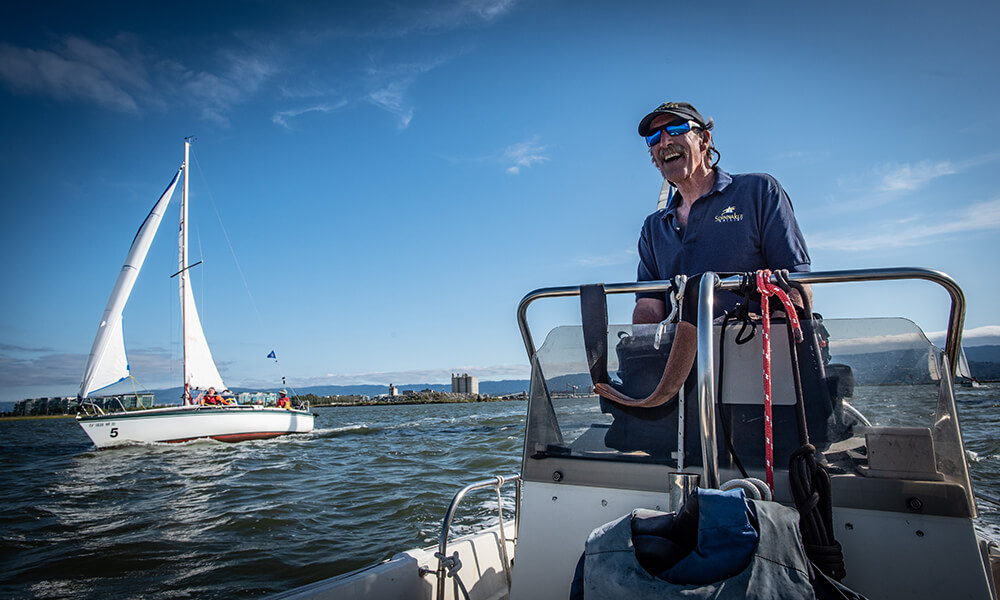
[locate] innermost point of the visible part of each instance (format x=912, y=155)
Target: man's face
x=677, y=157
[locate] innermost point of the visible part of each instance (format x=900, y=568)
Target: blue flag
x=271, y=355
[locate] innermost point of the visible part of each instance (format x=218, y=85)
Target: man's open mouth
x=670, y=154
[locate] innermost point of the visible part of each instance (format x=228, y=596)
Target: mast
x=183, y=262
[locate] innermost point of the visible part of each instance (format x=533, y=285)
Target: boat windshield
x=878, y=396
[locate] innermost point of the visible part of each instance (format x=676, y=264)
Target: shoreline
x=343, y=404
x=34, y=417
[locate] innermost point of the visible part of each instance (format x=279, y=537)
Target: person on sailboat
x=714, y=221
x=211, y=397
x=284, y=401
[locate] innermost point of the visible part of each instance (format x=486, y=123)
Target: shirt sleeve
x=782, y=242
x=647, y=270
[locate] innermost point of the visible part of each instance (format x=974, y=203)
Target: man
x=211, y=397
x=714, y=222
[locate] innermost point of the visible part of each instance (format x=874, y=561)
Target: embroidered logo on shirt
x=728, y=215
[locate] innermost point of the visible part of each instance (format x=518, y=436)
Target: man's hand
x=796, y=299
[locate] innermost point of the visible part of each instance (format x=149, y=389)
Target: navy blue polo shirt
x=744, y=223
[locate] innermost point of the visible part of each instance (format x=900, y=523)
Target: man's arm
x=649, y=310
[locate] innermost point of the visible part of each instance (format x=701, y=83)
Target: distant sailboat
x=108, y=362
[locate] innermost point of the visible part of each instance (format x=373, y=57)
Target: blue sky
x=392, y=178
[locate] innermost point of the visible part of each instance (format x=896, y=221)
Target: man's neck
x=691, y=189
x=696, y=186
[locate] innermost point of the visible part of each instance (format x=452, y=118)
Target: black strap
x=594, y=312
x=723, y=418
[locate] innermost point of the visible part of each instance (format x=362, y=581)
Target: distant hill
x=899, y=365
x=983, y=354
x=984, y=362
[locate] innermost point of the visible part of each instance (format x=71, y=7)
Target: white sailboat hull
x=185, y=423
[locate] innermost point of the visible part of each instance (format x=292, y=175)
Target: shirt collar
x=722, y=181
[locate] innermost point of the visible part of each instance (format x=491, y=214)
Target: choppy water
x=213, y=520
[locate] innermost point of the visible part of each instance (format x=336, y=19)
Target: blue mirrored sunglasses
x=672, y=129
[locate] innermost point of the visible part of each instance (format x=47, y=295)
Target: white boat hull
x=410, y=574
x=185, y=423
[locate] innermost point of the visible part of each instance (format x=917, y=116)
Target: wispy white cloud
x=915, y=230
x=513, y=158
x=7, y=348
x=240, y=78
x=122, y=74
x=150, y=365
x=463, y=12
x=442, y=16
x=77, y=69
x=393, y=99
x=119, y=76
x=979, y=333
x=523, y=155
x=892, y=182
x=390, y=86
x=977, y=336
x=616, y=258
x=907, y=178
x=282, y=117
x=55, y=369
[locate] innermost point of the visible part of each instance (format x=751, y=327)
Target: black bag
x=640, y=363
x=640, y=367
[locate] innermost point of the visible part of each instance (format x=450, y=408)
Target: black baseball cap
x=678, y=109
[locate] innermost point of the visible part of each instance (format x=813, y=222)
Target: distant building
x=138, y=400
x=68, y=405
x=393, y=391
x=464, y=384
x=43, y=406
x=263, y=398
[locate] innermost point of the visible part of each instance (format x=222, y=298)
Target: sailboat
x=108, y=363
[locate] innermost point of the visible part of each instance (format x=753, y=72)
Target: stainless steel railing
x=709, y=283
x=447, y=563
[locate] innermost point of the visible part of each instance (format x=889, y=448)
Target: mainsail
x=108, y=363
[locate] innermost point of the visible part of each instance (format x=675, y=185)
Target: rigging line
x=225, y=234
x=140, y=384
x=232, y=252
x=201, y=284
